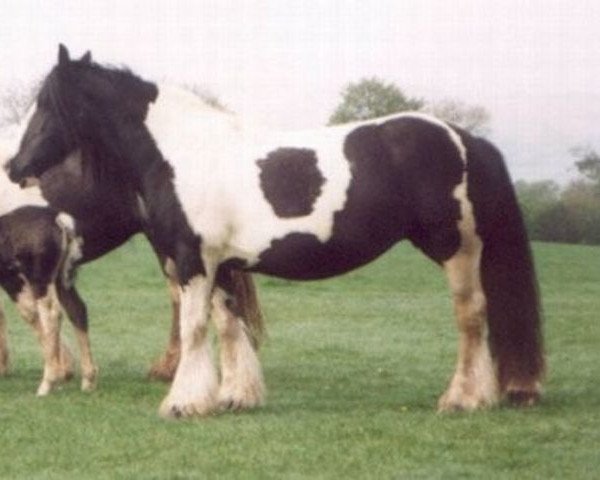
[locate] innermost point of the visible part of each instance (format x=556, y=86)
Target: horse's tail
x=244, y=291
x=71, y=249
x=508, y=277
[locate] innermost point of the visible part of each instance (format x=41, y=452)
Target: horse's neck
x=70, y=187
x=106, y=214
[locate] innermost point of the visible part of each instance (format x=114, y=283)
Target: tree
x=582, y=203
x=588, y=164
x=369, y=98
x=14, y=102
x=535, y=199
x=473, y=118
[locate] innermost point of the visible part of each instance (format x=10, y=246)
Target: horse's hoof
x=164, y=369
x=226, y=404
x=88, y=385
x=176, y=411
x=44, y=389
x=232, y=404
x=523, y=398
x=450, y=408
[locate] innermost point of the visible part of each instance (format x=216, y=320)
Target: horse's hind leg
x=242, y=384
x=164, y=368
x=474, y=384
x=49, y=313
x=77, y=313
x=3, y=344
x=27, y=308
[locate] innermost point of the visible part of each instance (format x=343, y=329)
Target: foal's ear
x=87, y=57
x=63, y=55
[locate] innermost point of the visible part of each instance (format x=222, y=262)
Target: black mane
x=99, y=109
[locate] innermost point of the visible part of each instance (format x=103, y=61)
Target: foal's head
x=80, y=105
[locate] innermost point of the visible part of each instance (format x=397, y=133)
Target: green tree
x=588, y=164
x=535, y=199
x=369, y=98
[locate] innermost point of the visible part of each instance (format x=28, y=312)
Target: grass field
x=353, y=367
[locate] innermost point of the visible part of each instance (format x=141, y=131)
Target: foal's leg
x=242, y=384
x=3, y=344
x=474, y=384
x=164, y=368
x=27, y=308
x=49, y=313
x=194, y=388
x=77, y=313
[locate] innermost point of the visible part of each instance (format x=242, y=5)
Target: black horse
x=218, y=198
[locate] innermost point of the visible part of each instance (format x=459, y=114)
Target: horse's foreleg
x=474, y=384
x=164, y=368
x=3, y=344
x=242, y=384
x=194, y=388
x=49, y=314
x=28, y=310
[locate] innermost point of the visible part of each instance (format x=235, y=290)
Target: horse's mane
x=94, y=105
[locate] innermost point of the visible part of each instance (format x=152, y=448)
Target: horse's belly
x=301, y=256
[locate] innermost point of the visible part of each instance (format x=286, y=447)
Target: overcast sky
x=535, y=65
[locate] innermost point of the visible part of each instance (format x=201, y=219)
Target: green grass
x=353, y=365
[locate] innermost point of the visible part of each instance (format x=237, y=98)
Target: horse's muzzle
x=18, y=175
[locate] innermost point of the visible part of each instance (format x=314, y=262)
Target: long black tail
x=508, y=276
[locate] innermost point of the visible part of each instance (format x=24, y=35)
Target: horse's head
x=80, y=105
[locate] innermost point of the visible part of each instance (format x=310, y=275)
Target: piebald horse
x=218, y=197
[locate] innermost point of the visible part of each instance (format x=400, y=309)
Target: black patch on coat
x=167, y=227
x=404, y=172
x=291, y=181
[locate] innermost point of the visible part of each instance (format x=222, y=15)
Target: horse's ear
x=63, y=55
x=87, y=57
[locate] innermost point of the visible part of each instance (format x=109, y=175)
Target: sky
x=533, y=64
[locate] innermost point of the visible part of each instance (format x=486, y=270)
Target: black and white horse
x=218, y=197
x=38, y=253
x=105, y=217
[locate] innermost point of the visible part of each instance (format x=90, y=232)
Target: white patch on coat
x=72, y=247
